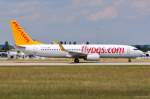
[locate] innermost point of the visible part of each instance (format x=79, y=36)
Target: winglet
x=60, y=45
x=20, y=36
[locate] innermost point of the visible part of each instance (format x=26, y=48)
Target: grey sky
x=97, y=21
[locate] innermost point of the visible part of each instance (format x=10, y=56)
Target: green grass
x=75, y=82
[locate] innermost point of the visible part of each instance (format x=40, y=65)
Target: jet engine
x=92, y=57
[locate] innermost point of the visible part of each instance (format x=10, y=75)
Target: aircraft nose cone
x=141, y=53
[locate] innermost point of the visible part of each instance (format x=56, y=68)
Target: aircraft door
x=35, y=50
x=128, y=51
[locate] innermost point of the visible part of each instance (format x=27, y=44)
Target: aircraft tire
x=76, y=60
x=129, y=60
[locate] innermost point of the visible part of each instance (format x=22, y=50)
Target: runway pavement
x=70, y=64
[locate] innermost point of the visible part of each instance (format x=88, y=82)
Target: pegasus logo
x=21, y=32
x=99, y=50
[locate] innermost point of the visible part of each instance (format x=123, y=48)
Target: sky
x=96, y=21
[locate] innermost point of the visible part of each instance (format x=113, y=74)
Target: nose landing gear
x=129, y=60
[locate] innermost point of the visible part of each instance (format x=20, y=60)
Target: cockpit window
x=135, y=49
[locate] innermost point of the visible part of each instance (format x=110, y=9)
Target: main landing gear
x=76, y=60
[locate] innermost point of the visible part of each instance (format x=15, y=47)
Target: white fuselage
x=104, y=51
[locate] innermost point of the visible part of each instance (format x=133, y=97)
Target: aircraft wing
x=76, y=54
x=72, y=53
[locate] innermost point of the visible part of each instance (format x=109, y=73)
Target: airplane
x=90, y=52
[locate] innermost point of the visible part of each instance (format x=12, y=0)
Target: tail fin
x=20, y=36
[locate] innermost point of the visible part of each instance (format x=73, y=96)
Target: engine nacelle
x=93, y=57
x=147, y=54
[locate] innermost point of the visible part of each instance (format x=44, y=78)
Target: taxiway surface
x=70, y=64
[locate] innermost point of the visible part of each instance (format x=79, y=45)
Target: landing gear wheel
x=129, y=60
x=76, y=60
